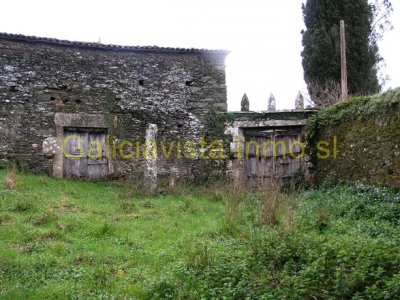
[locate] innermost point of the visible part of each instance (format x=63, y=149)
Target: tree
x=366, y=21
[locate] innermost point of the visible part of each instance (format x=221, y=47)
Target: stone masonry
x=47, y=85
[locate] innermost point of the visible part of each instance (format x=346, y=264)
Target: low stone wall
x=359, y=141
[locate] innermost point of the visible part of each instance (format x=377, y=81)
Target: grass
x=65, y=239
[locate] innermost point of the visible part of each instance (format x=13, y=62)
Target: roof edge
x=110, y=47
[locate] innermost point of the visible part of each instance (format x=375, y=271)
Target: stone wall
x=178, y=90
x=359, y=141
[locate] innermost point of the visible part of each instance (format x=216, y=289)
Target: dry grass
x=322, y=217
x=269, y=204
x=227, y=192
x=64, y=204
x=289, y=209
x=236, y=196
x=10, y=180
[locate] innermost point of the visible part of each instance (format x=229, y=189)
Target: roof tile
x=34, y=39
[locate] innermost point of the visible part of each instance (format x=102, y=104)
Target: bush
x=343, y=244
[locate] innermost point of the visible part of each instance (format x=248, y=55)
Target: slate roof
x=52, y=41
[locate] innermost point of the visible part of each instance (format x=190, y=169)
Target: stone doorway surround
x=244, y=121
x=53, y=146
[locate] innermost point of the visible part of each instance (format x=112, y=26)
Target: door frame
x=275, y=158
x=62, y=120
x=236, y=162
x=85, y=165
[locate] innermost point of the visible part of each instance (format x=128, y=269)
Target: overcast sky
x=263, y=36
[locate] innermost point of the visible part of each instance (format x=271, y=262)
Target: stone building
x=73, y=109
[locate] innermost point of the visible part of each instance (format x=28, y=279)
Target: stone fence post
x=150, y=171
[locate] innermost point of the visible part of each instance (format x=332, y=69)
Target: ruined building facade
x=72, y=109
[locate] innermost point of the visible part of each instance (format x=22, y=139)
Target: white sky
x=263, y=36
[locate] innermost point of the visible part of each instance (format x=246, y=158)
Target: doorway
x=272, y=154
x=84, y=153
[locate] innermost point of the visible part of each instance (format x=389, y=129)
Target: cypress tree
x=365, y=24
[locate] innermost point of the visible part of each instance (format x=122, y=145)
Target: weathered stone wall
x=359, y=141
x=179, y=90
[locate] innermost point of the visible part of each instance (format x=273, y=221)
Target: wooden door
x=85, y=153
x=272, y=155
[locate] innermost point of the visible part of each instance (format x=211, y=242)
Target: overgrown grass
x=64, y=239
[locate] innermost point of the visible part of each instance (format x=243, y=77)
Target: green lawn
x=64, y=239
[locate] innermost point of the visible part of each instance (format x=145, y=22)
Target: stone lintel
x=269, y=123
x=80, y=120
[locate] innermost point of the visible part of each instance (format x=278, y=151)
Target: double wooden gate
x=272, y=155
x=84, y=151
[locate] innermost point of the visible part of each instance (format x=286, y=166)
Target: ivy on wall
x=216, y=122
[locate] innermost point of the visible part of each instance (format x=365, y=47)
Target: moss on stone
x=368, y=140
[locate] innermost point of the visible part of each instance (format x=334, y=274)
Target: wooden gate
x=84, y=152
x=272, y=155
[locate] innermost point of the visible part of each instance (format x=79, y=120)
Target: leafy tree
x=366, y=21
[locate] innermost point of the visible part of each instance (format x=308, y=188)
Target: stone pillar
x=236, y=162
x=271, y=103
x=150, y=156
x=245, y=104
x=299, y=104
